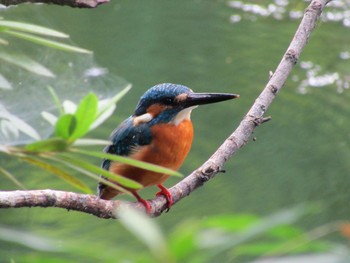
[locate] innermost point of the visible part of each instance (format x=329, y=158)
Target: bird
x=160, y=132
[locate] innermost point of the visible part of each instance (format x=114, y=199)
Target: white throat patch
x=185, y=114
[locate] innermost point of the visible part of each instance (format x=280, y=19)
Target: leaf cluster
x=216, y=238
x=226, y=238
x=35, y=34
x=64, y=148
x=72, y=124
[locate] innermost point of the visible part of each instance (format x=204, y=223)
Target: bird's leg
x=143, y=201
x=164, y=191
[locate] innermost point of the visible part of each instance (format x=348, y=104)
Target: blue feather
x=126, y=138
x=159, y=93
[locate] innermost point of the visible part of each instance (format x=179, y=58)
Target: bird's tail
x=106, y=192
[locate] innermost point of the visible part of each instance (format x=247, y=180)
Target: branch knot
x=292, y=56
x=260, y=120
x=273, y=89
x=208, y=171
x=315, y=6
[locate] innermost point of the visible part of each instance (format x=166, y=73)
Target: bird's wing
x=127, y=139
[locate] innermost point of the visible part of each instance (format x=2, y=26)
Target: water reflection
x=315, y=78
x=337, y=11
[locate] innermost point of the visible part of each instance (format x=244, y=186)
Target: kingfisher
x=159, y=132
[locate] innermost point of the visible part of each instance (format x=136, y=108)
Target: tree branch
x=107, y=209
x=71, y=3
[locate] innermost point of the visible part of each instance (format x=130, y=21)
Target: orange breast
x=169, y=148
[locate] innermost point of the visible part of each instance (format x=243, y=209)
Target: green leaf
x=65, y=126
x=56, y=100
x=90, y=142
x=30, y=28
x=49, y=145
x=88, y=173
x=123, y=181
x=257, y=248
x=49, y=117
x=126, y=160
x=5, y=149
x=60, y=173
x=48, y=43
x=4, y=83
x=232, y=223
x=106, y=107
x=12, y=178
x=182, y=240
x=28, y=239
x=26, y=63
x=103, y=117
x=285, y=232
x=85, y=115
x=20, y=125
x=146, y=230
x=113, y=100
x=262, y=226
x=3, y=42
x=8, y=130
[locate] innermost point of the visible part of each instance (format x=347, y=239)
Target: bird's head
x=173, y=103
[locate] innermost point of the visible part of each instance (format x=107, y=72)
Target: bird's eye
x=169, y=101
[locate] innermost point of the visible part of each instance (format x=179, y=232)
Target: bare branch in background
x=255, y=116
x=71, y=3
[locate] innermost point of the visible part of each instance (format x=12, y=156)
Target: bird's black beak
x=195, y=99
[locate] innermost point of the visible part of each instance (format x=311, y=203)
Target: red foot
x=144, y=202
x=164, y=191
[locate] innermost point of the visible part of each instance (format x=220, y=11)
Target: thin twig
x=71, y=3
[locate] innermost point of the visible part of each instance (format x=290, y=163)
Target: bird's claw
x=145, y=203
x=164, y=191
x=147, y=206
